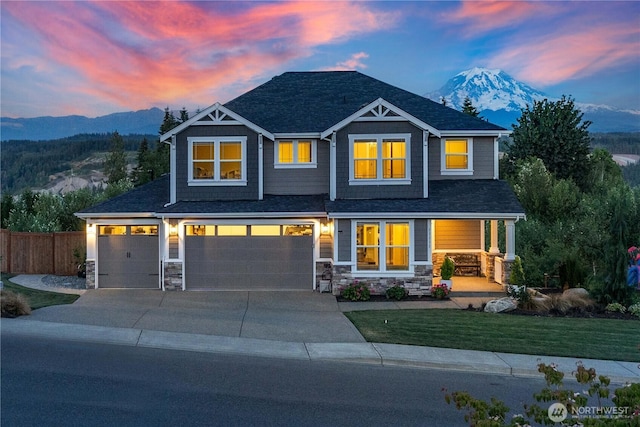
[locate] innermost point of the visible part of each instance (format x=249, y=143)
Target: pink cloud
x=487, y=15
x=353, y=63
x=137, y=53
x=554, y=58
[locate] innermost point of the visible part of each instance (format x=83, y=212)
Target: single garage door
x=269, y=257
x=128, y=256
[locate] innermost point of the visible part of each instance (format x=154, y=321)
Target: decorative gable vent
x=217, y=117
x=380, y=111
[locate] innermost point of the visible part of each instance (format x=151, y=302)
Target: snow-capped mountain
x=500, y=99
x=488, y=90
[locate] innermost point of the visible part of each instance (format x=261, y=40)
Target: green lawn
x=552, y=336
x=37, y=298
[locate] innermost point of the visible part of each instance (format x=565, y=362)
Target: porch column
x=510, y=254
x=494, y=249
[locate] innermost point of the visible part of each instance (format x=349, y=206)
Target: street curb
x=446, y=359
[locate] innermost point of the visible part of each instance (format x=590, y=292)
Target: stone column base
x=173, y=279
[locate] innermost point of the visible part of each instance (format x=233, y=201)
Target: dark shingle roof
x=148, y=198
x=270, y=204
x=315, y=101
x=465, y=196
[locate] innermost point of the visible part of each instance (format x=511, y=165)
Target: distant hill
x=142, y=122
x=64, y=164
x=499, y=98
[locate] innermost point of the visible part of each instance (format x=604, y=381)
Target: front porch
x=472, y=284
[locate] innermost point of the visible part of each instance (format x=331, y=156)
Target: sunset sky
x=99, y=57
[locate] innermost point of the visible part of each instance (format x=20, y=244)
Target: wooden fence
x=41, y=253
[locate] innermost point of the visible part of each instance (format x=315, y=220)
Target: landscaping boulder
x=577, y=292
x=501, y=305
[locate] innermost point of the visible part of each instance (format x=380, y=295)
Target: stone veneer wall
x=506, y=270
x=418, y=285
x=90, y=281
x=489, y=261
x=172, y=275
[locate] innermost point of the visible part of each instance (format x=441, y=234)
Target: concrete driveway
x=302, y=316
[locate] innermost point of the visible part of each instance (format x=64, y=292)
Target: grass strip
x=37, y=298
x=608, y=339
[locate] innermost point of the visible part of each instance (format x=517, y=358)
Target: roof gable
x=216, y=114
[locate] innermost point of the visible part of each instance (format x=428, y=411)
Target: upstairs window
x=292, y=153
x=217, y=160
x=457, y=156
x=379, y=158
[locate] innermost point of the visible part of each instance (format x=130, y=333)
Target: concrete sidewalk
x=299, y=325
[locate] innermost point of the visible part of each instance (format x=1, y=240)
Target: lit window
x=397, y=242
x=295, y=153
x=394, y=158
x=203, y=160
x=457, y=156
x=112, y=230
x=379, y=158
x=298, y=230
x=365, y=159
x=368, y=246
x=201, y=230
x=232, y=230
x=382, y=246
x=217, y=160
x=148, y=230
x=265, y=230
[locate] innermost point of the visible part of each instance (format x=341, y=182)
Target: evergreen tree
x=184, y=115
x=162, y=154
x=555, y=133
x=145, y=168
x=168, y=122
x=468, y=108
x=5, y=209
x=115, y=166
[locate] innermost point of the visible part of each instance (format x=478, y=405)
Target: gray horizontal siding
x=296, y=181
x=421, y=239
x=343, y=237
x=326, y=246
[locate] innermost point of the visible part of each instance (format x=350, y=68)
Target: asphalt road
x=52, y=383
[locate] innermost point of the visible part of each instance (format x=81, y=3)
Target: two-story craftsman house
x=313, y=178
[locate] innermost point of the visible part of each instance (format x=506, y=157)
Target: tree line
x=45, y=212
x=581, y=214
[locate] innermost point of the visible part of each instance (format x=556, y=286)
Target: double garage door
x=128, y=256
x=248, y=257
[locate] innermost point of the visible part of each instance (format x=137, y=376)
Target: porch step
x=477, y=294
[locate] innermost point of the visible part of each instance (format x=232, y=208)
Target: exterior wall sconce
x=173, y=230
x=325, y=228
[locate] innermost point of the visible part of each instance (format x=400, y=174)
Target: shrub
x=517, y=273
x=520, y=294
x=13, y=304
x=447, y=268
x=396, y=292
x=635, y=309
x=595, y=393
x=356, y=292
x=615, y=307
